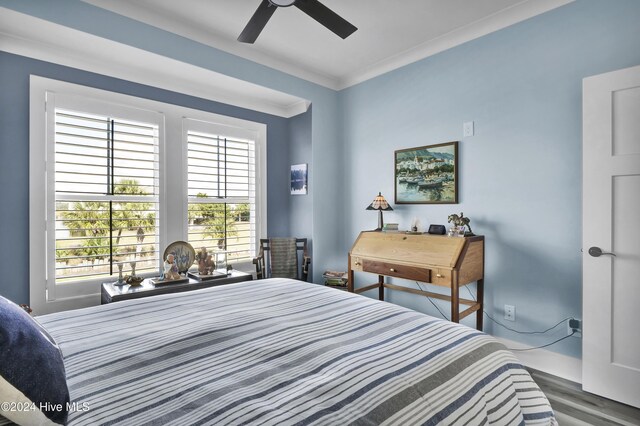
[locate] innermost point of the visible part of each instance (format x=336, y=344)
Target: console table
x=113, y=293
x=436, y=259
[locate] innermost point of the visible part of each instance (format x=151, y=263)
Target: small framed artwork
x=298, y=179
x=427, y=174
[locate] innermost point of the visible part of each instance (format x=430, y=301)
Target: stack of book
x=390, y=227
x=335, y=278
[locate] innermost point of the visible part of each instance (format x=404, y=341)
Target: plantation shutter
x=221, y=195
x=106, y=195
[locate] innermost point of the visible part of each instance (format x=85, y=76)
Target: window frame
x=208, y=127
x=173, y=201
x=79, y=288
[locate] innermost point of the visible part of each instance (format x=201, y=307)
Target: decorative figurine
x=206, y=265
x=209, y=264
x=170, y=269
x=460, y=222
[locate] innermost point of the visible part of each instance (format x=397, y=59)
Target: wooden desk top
x=411, y=249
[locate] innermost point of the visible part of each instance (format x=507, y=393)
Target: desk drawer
x=441, y=277
x=395, y=270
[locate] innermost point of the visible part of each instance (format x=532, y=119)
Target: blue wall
x=14, y=155
x=520, y=175
x=300, y=206
x=300, y=152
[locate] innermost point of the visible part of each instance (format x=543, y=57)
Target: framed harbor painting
x=427, y=174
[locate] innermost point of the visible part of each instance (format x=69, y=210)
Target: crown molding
x=29, y=36
x=519, y=12
x=505, y=18
x=36, y=38
x=184, y=29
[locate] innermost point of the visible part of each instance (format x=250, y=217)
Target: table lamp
x=380, y=204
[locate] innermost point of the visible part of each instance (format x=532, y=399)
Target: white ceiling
x=390, y=33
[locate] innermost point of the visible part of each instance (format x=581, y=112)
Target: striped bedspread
x=284, y=352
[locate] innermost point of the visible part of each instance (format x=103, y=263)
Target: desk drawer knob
x=439, y=276
x=358, y=263
x=392, y=270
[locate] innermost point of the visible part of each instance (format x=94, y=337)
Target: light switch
x=467, y=129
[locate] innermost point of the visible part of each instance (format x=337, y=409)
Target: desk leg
x=350, y=276
x=455, y=299
x=380, y=287
x=480, y=297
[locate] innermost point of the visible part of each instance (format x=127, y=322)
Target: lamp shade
x=379, y=203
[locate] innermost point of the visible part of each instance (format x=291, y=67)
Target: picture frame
x=299, y=180
x=427, y=174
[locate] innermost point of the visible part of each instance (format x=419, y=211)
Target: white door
x=611, y=224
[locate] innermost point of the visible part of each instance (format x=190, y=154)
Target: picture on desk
x=427, y=174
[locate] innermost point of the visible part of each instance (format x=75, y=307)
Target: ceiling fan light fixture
x=282, y=3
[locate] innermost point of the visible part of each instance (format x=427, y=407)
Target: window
x=221, y=192
x=114, y=192
x=106, y=196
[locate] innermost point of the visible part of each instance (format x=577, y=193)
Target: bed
x=285, y=352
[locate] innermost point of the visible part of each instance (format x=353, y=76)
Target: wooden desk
x=113, y=293
x=436, y=259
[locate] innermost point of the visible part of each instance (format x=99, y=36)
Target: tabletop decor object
x=184, y=255
x=437, y=230
x=459, y=223
x=133, y=280
x=206, y=265
x=380, y=204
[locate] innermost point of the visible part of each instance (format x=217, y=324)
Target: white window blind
x=221, y=194
x=106, y=195
x=109, y=186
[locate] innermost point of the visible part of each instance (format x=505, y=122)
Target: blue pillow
x=33, y=385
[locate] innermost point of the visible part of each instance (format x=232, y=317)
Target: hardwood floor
x=574, y=407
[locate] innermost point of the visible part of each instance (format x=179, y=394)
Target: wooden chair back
x=262, y=261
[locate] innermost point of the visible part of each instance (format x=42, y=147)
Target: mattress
x=285, y=352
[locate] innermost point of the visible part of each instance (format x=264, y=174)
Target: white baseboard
x=559, y=365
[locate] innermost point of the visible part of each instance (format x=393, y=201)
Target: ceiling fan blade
x=257, y=22
x=326, y=17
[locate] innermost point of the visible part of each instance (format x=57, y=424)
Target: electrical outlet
x=509, y=312
x=574, y=325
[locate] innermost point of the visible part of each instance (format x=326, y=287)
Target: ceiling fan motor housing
x=282, y=3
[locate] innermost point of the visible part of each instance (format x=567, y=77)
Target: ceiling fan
x=313, y=8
